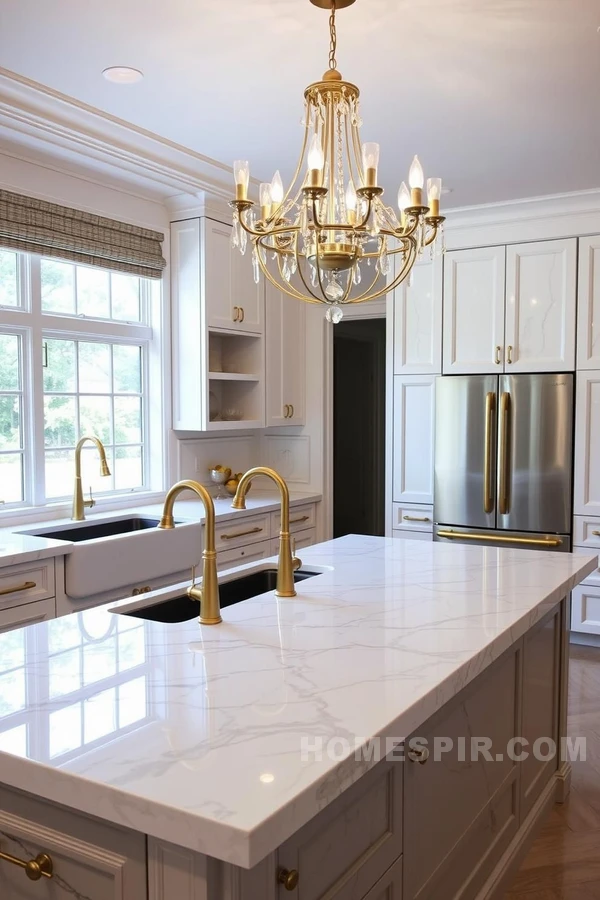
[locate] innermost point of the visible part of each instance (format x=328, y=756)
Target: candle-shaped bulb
x=276, y=189
x=241, y=175
x=403, y=197
x=264, y=195
x=316, y=161
x=370, y=162
x=434, y=194
x=416, y=179
x=351, y=203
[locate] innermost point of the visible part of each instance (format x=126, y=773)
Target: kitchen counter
x=197, y=740
x=17, y=547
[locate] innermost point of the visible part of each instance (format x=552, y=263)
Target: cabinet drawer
x=301, y=539
x=301, y=517
x=26, y=583
x=228, y=559
x=586, y=532
x=242, y=531
x=412, y=517
x=89, y=858
x=28, y=614
x=344, y=851
x=585, y=606
x=405, y=534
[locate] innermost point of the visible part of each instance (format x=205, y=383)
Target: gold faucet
x=287, y=562
x=208, y=594
x=79, y=504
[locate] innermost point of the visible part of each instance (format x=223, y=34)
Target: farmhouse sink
x=123, y=551
x=87, y=531
x=181, y=608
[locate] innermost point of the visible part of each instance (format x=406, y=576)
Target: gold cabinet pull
x=418, y=754
x=498, y=358
x=236, y=312
x=288, y=878
x=291, y=410
x=34, y=868
x=488, y=461
x=299, y=519
x=501, y=538
x=509, y=351
x=242, y=313
x=596, y=533
x=230, y=537
x=504, y=462
x=27, y=586
x=286, y=414
x=416, y=519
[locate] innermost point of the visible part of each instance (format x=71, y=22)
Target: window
x=76, y=354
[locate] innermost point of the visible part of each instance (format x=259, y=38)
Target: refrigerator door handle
x=504, y=460
x=488, y=462
x=500, y=539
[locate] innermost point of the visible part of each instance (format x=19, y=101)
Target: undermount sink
x=89, y=531
x=115, y=552
x=181, y=608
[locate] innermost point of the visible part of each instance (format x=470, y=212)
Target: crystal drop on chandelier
x=334, y=314
x=255, y=266
x=356, y=275
x=235, y=233
x=334, y=291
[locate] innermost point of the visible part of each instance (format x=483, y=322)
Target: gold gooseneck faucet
x=208, y=594
x=287, y=563
x=79, y=504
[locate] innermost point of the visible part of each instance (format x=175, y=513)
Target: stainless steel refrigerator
x=503, y=460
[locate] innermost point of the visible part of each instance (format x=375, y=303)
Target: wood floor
x=564, y=863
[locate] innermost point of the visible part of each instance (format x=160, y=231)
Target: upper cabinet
x=588, y=320
x=587, y=445
x=541, y=285
x=473, y=338
x=418, y=321
x=286, y=358
x=233, y=300
x=510, y=309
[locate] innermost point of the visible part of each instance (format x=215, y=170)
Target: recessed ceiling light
x=122, y=74
x=267, y=778
x=447, y=190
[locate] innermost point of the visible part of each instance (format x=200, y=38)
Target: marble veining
x=193, y=734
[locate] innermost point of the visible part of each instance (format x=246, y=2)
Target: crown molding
x=65, y=127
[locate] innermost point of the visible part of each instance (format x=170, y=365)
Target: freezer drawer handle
x=504, y=462
x=488, y=462
x=501, y=538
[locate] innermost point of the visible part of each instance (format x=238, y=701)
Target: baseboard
x=585, y=640
x=500, y=880
x=563, y=781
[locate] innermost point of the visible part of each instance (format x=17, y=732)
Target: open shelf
x=232, y=376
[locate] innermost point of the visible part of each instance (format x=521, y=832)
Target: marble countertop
x=19, y=547
x=194, y=734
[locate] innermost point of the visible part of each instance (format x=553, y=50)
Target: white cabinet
x=239, y=556
x=541, y=280
x=473, y=337
x=414, y=419
x=418, y=321
x=587, y=445
x=27, y=593
x=300, y=539
x=285, y=328
x=233, y=300
x=585, y=606
x=588, y=317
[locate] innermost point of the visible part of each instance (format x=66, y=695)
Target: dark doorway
x=359, y=427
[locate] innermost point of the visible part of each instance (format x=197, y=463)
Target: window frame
x=34, y=327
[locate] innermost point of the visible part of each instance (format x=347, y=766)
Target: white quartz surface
x=193, y=734
x=16, y=547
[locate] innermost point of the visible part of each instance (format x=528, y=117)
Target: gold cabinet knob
x=288, y=878
x=419, y=754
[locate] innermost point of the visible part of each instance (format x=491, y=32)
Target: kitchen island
x=240, y=761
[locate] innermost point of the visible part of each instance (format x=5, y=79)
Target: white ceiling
x=499, y=97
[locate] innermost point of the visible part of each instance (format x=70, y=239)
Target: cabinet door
x=588, y=314
x=541, y=306
x=29, y=614
x=418, y=321
x=414, y=418
x=587, y=445
x=585, y=606
x=218, y=275
x=239, y=556
x=285, y=327
x=247, y=295
x=473, y=335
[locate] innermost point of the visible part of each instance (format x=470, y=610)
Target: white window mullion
x=36, y=384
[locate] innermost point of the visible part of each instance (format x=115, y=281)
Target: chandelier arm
x=389, y=287
x=319, y=274
x=287, y=289
x=309, y=287
x=302, y=152
x=357, y=152
x=432, y=236
x=363, y=224
x=409, y=231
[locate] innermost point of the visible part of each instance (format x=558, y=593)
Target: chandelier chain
x=333, y=38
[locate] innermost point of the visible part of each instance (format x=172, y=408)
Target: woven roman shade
x=35, y=226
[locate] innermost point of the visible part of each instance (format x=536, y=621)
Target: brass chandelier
x=330, y=238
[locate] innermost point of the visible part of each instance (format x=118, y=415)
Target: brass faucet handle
x=194, y=592
x=91, y=502
x=296, y=561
